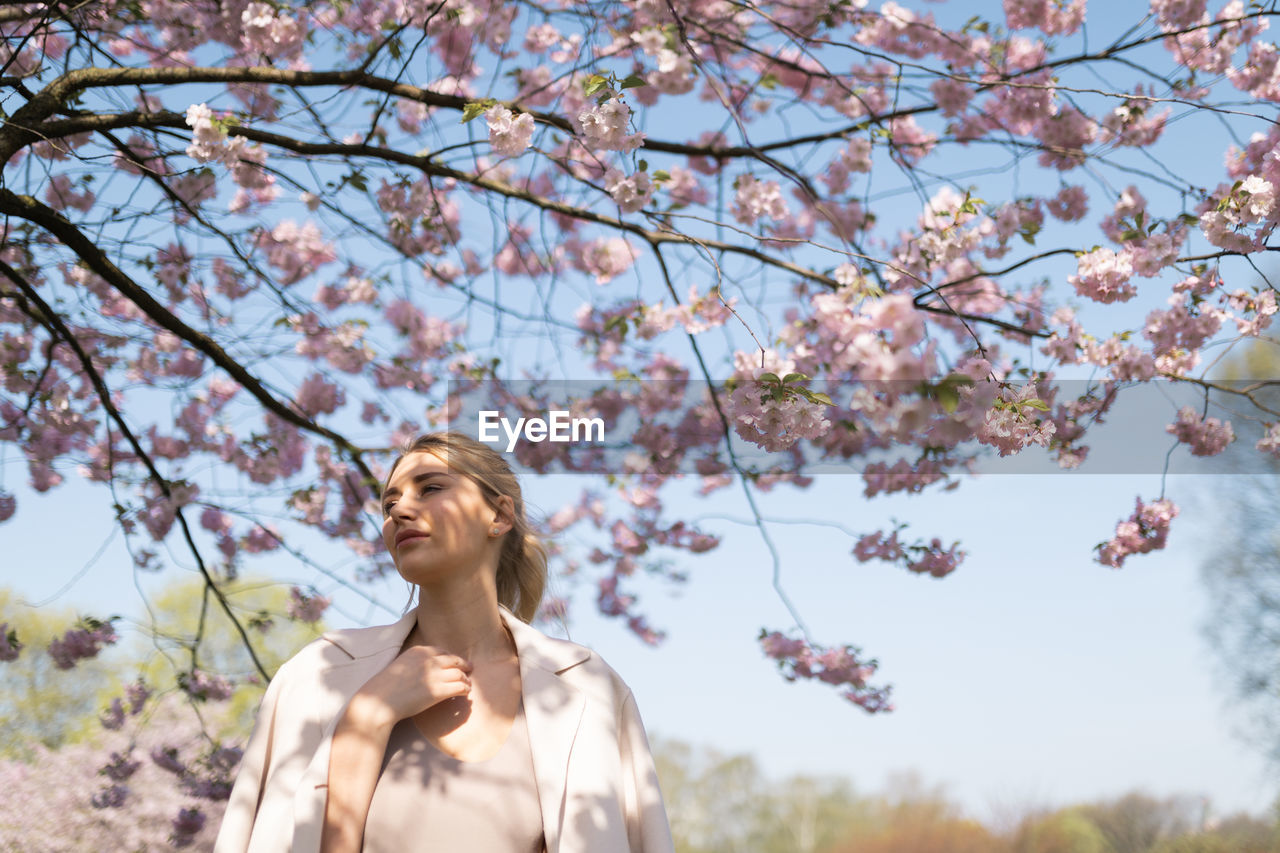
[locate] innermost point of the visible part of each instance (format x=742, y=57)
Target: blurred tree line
x=721, y=803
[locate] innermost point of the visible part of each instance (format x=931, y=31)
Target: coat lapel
x=553, y=711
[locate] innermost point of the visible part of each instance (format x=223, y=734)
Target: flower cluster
x=306, y=608
x=775, y=421
x=605, y=127
x=631, y=192
x=509, y=133
x=1103, y=276
x=754, y=199
x=1250, y=202
x=1270, y=441
x=208, y=135
x=839, y=667
x=1009, y=428
x=269, y=32
x=1207, y=436
x=83, y=641
x=1145, y=530
x=203, y=686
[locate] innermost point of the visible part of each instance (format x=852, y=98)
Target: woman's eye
x=386, y=507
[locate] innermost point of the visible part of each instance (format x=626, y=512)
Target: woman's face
x=436, y=522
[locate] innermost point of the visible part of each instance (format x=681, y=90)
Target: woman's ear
x=504, y=514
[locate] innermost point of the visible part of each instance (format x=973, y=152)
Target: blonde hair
x=522, y=564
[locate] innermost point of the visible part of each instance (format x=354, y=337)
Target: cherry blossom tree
x=250, y=248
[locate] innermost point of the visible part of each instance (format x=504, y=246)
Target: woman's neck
x=461, y=621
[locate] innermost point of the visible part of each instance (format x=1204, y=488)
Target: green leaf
x=595, y=83
x=474, y=109
x=770, y=377
x=769, y=81
x=662, y=175
x=632, y=81
x=948, y=398
x=1036, y=404
x=793, y=377
x=357, y=180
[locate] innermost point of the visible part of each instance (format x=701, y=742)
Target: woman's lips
x=409, y=536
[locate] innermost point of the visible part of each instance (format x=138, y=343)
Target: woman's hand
x=419, y=677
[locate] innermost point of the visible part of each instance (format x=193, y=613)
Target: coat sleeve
x=246, y=793
x=646, y=817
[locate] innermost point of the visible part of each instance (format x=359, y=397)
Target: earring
x=493, y=532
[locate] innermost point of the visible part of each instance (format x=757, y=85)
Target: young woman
x=460, y=727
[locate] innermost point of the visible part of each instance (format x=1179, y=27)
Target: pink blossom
x=113, y=718
x=509, y=134
x=296, y=251
x=137, y=693
x=631, y=192
x=775, y=422
x=1145, y=530
x=1103, y=276
x=754, y=199
x=842, y=667
x=1269, y=443
x=684, y=188
x=167, y=757
x=269, y=32
x=208, y=137
x=214, y=520
x=606, y=258
x=306, y=608
x=203, y=686
x=673, y=73
x=877, y=546
x=1207, y=436
x=605, y=126
x=316, y=395
x=186, y=826
x=1069, y=205
x=935, y=561
x=952, y=95
x=1012, y=425
x=261, y=538
x=1053, y=17
x=1063, y=137
x=61, y=195
x=1178, y=328
x=1178, y=14
x=1132, y=123
x=854, y=157
x=410, y=114
x=83, y=641
x=902, y=476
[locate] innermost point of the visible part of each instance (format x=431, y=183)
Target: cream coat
x=596, y=780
